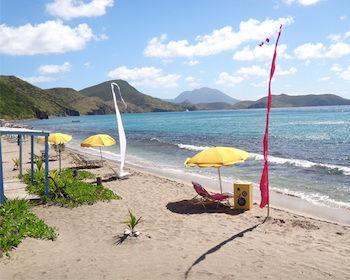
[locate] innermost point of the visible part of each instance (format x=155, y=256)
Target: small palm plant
x=39, y=164
x=16, y=163
x=54, y=174
x=132, y=222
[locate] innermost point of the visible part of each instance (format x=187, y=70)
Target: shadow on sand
x=218, y=247
x=190, y=207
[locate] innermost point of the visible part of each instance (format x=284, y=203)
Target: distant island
x=204, y=95
x=21, y=100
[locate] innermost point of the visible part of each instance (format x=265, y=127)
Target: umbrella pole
x=59, y=160
x=220, y=179
x=101, y=154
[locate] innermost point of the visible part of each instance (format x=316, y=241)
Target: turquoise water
x=309, y=147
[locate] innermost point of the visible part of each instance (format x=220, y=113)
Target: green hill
x=19, y=99
x=83, y=104
x=136, y=101
x=284, y=100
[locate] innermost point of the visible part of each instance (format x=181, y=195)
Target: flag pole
x=264, y=180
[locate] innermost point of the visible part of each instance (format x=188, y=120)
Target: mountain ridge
x=20, y=100
x=204, y=95
x=137, y=101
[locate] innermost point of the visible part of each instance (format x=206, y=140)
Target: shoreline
x=279, y=200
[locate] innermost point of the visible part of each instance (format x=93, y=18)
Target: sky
x=165, y=47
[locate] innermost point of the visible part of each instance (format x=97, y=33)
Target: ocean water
x=309, y=147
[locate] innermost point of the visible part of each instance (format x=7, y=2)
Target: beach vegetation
x=16, y=163
x=18, y=222
x=68, y=188
x=39, y=163
x=132, y=221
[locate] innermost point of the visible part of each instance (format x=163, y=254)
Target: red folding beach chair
x=212, y=197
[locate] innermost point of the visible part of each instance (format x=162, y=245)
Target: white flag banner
x=121, y=132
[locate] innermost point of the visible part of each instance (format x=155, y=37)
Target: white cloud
x=335, y=37
x=219, y=40
x=255, y=70
x=337, y=49
x=342, y=17
x=262, y=84
x=336, y=68
x=260, y=53
x=339, y=37
x=87, y=64
x=50, y=69
x=38, y=79
x=69, y=9
x=285, y=72
x=324, y=79
x=145, y=76
x=251, y=72
x=44, y=38
x=192, y=81
x=346, y=35
x=192, y=62
x=345, y=75
x=101, y=37
x=311, y=51
x=228, y=80
x=302, y=2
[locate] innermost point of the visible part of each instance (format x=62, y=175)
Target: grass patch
x=68, y=190
x=18, y=222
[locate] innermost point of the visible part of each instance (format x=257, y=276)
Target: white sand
x=179, y=240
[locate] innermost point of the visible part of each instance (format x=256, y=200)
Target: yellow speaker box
x=243, y=195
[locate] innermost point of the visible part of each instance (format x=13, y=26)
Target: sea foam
x=337, y=169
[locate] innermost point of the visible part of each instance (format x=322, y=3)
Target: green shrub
x=67, y=190
x=17, y=223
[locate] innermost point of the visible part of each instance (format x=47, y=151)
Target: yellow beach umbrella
x=59, y=139
x=98, y=140
x=217, y=157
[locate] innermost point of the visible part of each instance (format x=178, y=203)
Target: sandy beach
x=179, y=239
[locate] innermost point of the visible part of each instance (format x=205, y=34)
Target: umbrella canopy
x=58, y=138
x=217, y=157
x=98, y=140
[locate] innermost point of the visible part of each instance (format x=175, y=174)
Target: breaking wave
x=334, y=169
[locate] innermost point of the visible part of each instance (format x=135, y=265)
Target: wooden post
x=32, y=158
x=2, y=195
x=99, y=181
x=20, y=156
x=75, y=173
x=46, y=164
